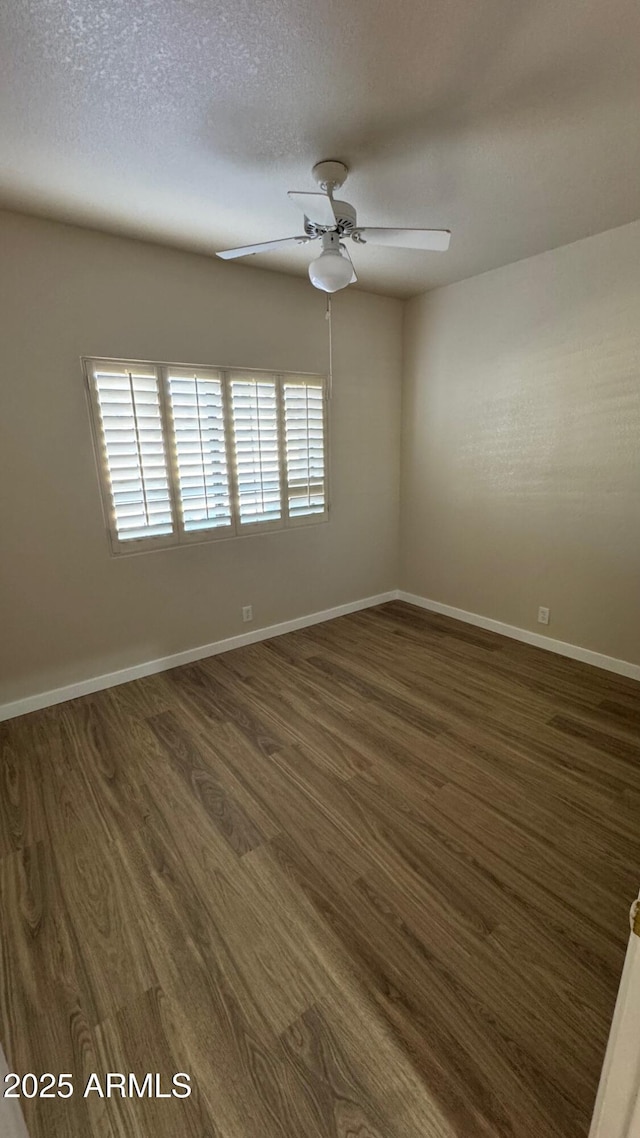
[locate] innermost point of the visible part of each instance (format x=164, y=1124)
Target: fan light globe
x=330, y=271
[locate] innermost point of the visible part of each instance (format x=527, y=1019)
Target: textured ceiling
x=512, y=122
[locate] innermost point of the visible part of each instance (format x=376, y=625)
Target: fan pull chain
x=330, y=373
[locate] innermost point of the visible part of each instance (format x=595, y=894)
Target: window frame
x=237, y=529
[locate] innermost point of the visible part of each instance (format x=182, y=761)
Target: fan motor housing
x=345, y=221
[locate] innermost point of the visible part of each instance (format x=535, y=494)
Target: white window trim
x=180, y=537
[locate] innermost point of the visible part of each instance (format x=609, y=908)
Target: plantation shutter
x=197, y=409
x=133, y=450
x=188, y=454
x=304, y=448
x=254, y=408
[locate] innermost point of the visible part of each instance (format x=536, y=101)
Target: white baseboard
x=163, y=663
x=585, y=655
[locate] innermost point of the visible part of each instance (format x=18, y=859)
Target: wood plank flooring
x=367, y=880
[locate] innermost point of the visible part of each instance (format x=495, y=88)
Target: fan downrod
x=330, y=174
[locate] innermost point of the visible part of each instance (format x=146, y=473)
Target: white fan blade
x=345, y=253
x=264, y=247
x=317, y=207
x=435, y=240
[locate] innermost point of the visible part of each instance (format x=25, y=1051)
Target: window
x=191, y=454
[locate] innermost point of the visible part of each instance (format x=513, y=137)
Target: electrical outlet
x=543, y=615
x=247, y=613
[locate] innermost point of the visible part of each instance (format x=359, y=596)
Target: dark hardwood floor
x=367, y=880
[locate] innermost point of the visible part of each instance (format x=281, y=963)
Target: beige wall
x=521, y=444
x=69, y=611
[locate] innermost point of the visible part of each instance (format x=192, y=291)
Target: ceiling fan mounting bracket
x=330, y=175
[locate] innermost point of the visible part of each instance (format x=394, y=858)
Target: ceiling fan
x=331, y=221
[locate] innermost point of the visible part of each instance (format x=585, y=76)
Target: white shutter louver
x=197, y=409
x=256, y=449
x=134, y=450
x=304, y=448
